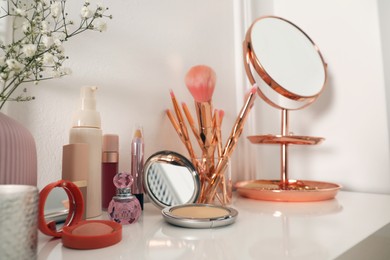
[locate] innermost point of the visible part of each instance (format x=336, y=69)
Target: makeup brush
x=192, y=125
x=231, y=144
x=200, y=81
x=180, y=126
x=218, y=115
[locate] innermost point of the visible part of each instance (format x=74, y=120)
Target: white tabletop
x=263, y=230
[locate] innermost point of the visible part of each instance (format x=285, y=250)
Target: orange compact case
x=77, y=233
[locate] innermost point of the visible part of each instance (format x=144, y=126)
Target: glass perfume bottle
x=124, y=208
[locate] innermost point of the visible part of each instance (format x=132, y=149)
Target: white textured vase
x=18, y=155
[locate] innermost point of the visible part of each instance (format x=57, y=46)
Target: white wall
x=150, y=45
x=351, y=113
x=147, y=50
x=384, y=21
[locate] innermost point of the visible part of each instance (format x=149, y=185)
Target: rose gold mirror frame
x=250, y=58
x=284, y=139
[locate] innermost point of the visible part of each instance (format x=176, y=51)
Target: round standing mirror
x=280, y=54
x=290, y=74
x=170, y=179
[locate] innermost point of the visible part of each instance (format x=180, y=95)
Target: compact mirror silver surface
x=286, y=59
x=170, y=179
x=57, y=207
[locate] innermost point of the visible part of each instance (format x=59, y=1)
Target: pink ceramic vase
x=18, y=155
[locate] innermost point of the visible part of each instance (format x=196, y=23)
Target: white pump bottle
x=86, y=129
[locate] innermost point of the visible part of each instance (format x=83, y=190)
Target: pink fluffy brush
x=200, y=81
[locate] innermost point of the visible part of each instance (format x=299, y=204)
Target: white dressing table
x=342, y=228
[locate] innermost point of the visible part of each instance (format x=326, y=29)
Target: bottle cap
x=110, y=148
x=110, y=143
x=87, y=116
x=123, y=182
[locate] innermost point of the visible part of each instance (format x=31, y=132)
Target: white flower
x=66, y=71
x=2, y=60
x=86, y=12
x=20, y=12
x=100, y=8
x=3, y=76
x=47, y=41
x=59, y=36
x=48, y=58
x=29, y=50
x=56, y=73
x=45, y=2
x=55, y=9
x=26, y=26
x=14, y=65
x=60, y=49
x=58, y=42
x=41, y=30
x=39, y=6
x=44, y=27
x=100, y=25
x=59, y=72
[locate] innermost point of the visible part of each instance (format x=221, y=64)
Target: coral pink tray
x=294, y=191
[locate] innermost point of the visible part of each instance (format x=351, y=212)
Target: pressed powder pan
x=199, y=215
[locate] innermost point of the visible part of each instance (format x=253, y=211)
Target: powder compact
x=199, y=215
x=77, y=233
x=172, y=184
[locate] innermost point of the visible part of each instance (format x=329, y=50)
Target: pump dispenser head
x=87, y=116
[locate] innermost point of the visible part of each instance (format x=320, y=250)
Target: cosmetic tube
x=110, y=159
x=137, y=164
x=75, y=165
x=86, y=129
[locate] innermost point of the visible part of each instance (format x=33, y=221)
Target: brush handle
x=175, y=125
x=191, y=122
x=182, y=127
x=218, y=135
x=230, y=145
x=204, y=112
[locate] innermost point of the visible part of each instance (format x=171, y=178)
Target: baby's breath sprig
x=34, y=52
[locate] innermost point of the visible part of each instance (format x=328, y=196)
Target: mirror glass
x=57, y=207
x=285, y=58
x=170, y=179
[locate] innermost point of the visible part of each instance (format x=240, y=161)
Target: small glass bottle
x=124, y=208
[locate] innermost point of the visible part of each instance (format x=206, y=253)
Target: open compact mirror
x=74, y=232
x=170, y=179
x=57, y=206
x=290, y=73
x=173, y=185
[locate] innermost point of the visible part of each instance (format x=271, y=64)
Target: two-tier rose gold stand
x=286, y=189
x=270, y=37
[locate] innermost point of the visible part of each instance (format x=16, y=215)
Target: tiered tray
x=293, y=191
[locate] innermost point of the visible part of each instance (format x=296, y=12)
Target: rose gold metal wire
x=283, y=151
